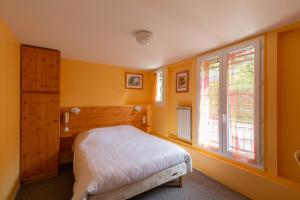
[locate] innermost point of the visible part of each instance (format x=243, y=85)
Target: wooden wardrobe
x=40, y=72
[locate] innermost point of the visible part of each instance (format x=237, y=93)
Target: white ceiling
x=101, y=31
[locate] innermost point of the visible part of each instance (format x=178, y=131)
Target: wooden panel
x=40, y=69
x=94, y=117
x=103, y=116
x=39, y=136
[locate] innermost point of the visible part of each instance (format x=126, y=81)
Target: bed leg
x=180, y=182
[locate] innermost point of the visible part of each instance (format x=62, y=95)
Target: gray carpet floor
x=196, y=186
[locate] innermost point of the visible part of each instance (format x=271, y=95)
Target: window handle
x=224, y=118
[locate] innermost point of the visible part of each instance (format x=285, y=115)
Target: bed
x=120, y=162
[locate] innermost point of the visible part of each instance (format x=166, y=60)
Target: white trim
x=224, y=102
x=197, y=113
x=221, y=102
x=258, y=44
x=262, y=100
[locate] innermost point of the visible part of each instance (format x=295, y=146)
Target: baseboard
x=15, y=190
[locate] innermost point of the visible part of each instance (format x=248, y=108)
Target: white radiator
x=184, y=123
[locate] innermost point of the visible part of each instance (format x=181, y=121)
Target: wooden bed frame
x=105, y=116
x=96, y=117
x=153, y=181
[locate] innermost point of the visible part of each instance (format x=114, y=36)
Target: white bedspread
x=109, y=158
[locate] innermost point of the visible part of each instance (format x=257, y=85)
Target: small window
x=229, y=108
x=159, y=86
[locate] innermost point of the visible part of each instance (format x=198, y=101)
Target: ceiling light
x=144, y=37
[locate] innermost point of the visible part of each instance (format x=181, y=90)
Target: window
x=209, y=103
x=229, y=102
x=159, y=86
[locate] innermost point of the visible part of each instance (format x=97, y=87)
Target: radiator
x=184, y=123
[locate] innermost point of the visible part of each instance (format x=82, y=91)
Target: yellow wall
x=10, y=111
x=254, y=183
x=90, y=84
x=289, y=103
x=181, y=99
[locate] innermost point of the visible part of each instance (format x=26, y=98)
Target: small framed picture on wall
x=182, y=81
x=133, y=81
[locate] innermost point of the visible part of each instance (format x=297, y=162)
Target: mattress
x=107, y=159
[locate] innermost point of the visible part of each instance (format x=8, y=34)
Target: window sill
x=175, y=138
x=159, y=104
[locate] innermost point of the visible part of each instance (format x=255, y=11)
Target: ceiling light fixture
x=144, y=37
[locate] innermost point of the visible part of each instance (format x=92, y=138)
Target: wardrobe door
x=40, y=69
x=39, y=136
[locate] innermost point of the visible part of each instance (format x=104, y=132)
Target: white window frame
x=211, y=56
x=163, y=101
x=222, y=54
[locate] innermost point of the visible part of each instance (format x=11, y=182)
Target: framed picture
x=182, y=81
x=133, y=81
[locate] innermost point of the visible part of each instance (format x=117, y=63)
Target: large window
x=159, y=96
x=229, y=102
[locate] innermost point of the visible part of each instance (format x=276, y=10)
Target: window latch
x=224, y=118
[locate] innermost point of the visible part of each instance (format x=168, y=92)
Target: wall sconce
x=138, y=108
x=75, y=110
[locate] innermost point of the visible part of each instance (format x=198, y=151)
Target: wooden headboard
x=95, y=117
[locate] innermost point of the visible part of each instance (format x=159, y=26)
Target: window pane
x=209, y=104
x=159, y=86
x=240, y=104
